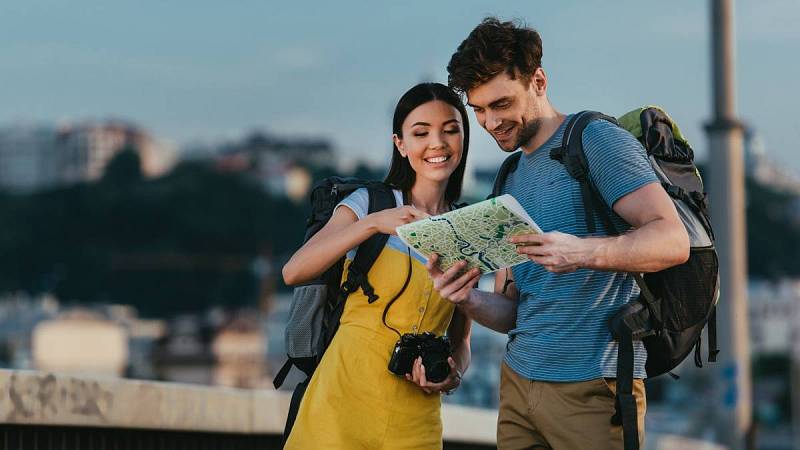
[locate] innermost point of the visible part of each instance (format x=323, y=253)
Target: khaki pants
x=561, y=416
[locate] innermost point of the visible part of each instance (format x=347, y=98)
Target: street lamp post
x=725, y=138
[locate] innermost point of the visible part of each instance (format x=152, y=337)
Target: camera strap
x=396, y=296
x=406, y=201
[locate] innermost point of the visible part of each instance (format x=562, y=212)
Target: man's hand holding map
x=477, y=234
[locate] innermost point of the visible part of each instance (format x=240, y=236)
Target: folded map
x=477, y=234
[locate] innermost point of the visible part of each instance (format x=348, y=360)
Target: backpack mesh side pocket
x=303, y=334
x=687, y=290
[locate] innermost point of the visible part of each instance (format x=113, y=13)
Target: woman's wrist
x=457, y=383
x=369, y=224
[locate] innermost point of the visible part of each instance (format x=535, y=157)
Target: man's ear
x=398, y=142
x=539, y=82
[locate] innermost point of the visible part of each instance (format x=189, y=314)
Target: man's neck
x=550, y=123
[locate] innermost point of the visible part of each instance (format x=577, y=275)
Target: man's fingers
x=451, y=273
x=433, y=266
x=543, y=260
x=462, y=293
x=533, y=238
x=457, y=295
x=537, y=250
x=553, y=264
x=463, y=281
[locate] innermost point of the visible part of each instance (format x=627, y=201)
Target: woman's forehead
x=434, y=112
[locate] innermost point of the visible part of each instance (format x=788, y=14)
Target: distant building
x=142, y=335
x=774, y=312
x=184, y=353
x=80, y=342
x=85, y=149
x=240, y=349
x=36, y=157
x=281, y=165
x=19, y=314
x=761, y=168
x=27, y=154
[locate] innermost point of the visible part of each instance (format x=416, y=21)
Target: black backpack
x=675, y=304
x=317, y=305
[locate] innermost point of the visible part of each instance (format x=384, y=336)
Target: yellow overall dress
x=353, y=401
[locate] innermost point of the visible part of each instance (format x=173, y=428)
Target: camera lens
x=436, y=370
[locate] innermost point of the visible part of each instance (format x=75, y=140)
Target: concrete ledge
x=41, y=398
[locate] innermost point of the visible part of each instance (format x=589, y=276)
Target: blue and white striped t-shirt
x=561, y=333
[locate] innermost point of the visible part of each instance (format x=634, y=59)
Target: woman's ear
x=398, y=142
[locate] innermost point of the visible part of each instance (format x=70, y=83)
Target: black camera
x=433, y=350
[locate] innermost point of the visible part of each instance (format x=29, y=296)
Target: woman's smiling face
x=432, y=140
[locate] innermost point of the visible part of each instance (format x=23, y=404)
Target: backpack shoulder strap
x=572, y=156
x=380, y=197
x=509, y=166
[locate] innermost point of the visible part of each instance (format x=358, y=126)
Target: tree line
x=198, y=237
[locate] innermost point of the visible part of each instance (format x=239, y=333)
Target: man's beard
x=528, y=131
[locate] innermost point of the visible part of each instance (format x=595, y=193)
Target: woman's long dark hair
x=401, y=175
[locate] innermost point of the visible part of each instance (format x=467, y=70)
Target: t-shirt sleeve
x=357, y=201
x=618, y=164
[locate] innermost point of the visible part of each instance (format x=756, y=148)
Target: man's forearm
x=494, y=311
x=656, y=246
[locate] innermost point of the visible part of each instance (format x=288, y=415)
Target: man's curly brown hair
x=491, y=48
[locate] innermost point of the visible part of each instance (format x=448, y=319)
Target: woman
x=353, y=401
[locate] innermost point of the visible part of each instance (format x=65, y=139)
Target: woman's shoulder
x=361, y=195
x=358, y=201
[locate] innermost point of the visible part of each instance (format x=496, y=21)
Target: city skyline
x=336, y=71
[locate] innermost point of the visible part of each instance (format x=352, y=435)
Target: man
x=558, y=377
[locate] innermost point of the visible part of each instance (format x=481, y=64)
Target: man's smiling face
x=509, y=108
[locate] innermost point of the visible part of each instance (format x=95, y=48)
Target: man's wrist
x=469, y=301
x=596, y=253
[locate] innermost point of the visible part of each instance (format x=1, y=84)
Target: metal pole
x=725, y=134
x=794, y=380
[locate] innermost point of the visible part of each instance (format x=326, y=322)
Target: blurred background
x=155, y=161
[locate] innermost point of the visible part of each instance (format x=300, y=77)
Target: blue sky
x=206, y=70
